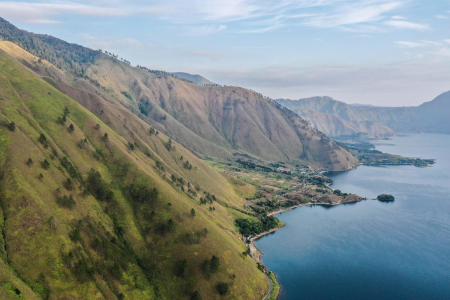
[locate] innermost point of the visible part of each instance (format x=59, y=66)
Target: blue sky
x=381, y=52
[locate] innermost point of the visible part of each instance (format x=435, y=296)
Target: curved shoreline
x=259, y=254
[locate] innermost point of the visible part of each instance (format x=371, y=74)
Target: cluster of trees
x=152, y=131
x=97, y=187
x=66, y=56
x=126, y=94
x=211, y=266
x=141, y=193
x=187, y=165
x=164, y=228
x=157, y=72
x=194, y=238
x=385, y=197
x=66, y=202
x=43, y=140
x=339, y=193
x=62, y=119
x=169, y=145
x=45, y=164
x=114, y=56
x=249, y=227
x=69, y=167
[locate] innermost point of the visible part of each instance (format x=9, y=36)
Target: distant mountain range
x=197, y=79
x=336, y=118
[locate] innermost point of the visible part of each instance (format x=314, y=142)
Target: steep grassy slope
x=335, y=118
x=72, y=233
x=210, y=121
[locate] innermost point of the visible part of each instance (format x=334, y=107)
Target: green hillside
x=211, y=121
x=90, y=214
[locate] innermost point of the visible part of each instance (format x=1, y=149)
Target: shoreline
x=257, y=254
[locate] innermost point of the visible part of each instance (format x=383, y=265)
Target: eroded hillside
x=211, y=121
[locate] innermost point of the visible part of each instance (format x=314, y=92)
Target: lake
x=372, y=249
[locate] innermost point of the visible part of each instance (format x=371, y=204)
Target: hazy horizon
x=378, y=52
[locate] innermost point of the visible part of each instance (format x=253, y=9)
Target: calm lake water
x=372, y=250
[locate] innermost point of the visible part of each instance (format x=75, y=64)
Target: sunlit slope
x=233, y=118
x=70, y=240
x=210, y=121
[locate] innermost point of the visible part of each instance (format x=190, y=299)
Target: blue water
x=371, y=249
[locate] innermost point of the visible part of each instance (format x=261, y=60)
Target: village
x=281, y=187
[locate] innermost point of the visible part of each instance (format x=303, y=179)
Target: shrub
x=68, y=184
x=196, y=296
x=182, y=268
x=222, y=288
x=43, y=140
x=97, y=187
x=71, y=128
x=45, y=164
x=29, y=162
x=66, y=202
x=215, y=264
x=11, y=126
x=139, y=192
x=69, y=167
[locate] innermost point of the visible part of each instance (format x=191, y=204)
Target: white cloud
x=398, y=18
x=355, y=13
x=203, y=30
x=42, y=13
x=443, y=52
x=411, y=44
x=199, y=14
x=110, y=44
x=446, y=41
x=407, y=25
x=442, y=17
x=416, y=80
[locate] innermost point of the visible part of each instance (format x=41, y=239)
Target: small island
x=385, y=198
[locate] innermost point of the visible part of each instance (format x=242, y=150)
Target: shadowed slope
x=335, y=118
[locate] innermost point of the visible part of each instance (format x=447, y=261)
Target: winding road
x=268, y=278
x=270, y=287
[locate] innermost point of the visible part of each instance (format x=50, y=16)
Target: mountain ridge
x=197, y=79
x=188, y=112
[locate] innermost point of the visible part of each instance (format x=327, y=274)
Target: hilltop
x=211, y=121
x=197, y=79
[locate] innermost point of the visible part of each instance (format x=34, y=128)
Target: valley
x=123, y=182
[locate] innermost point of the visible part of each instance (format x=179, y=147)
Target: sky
x=378, y=52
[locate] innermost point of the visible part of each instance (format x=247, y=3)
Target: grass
x=276, y=287
x=37, y=229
